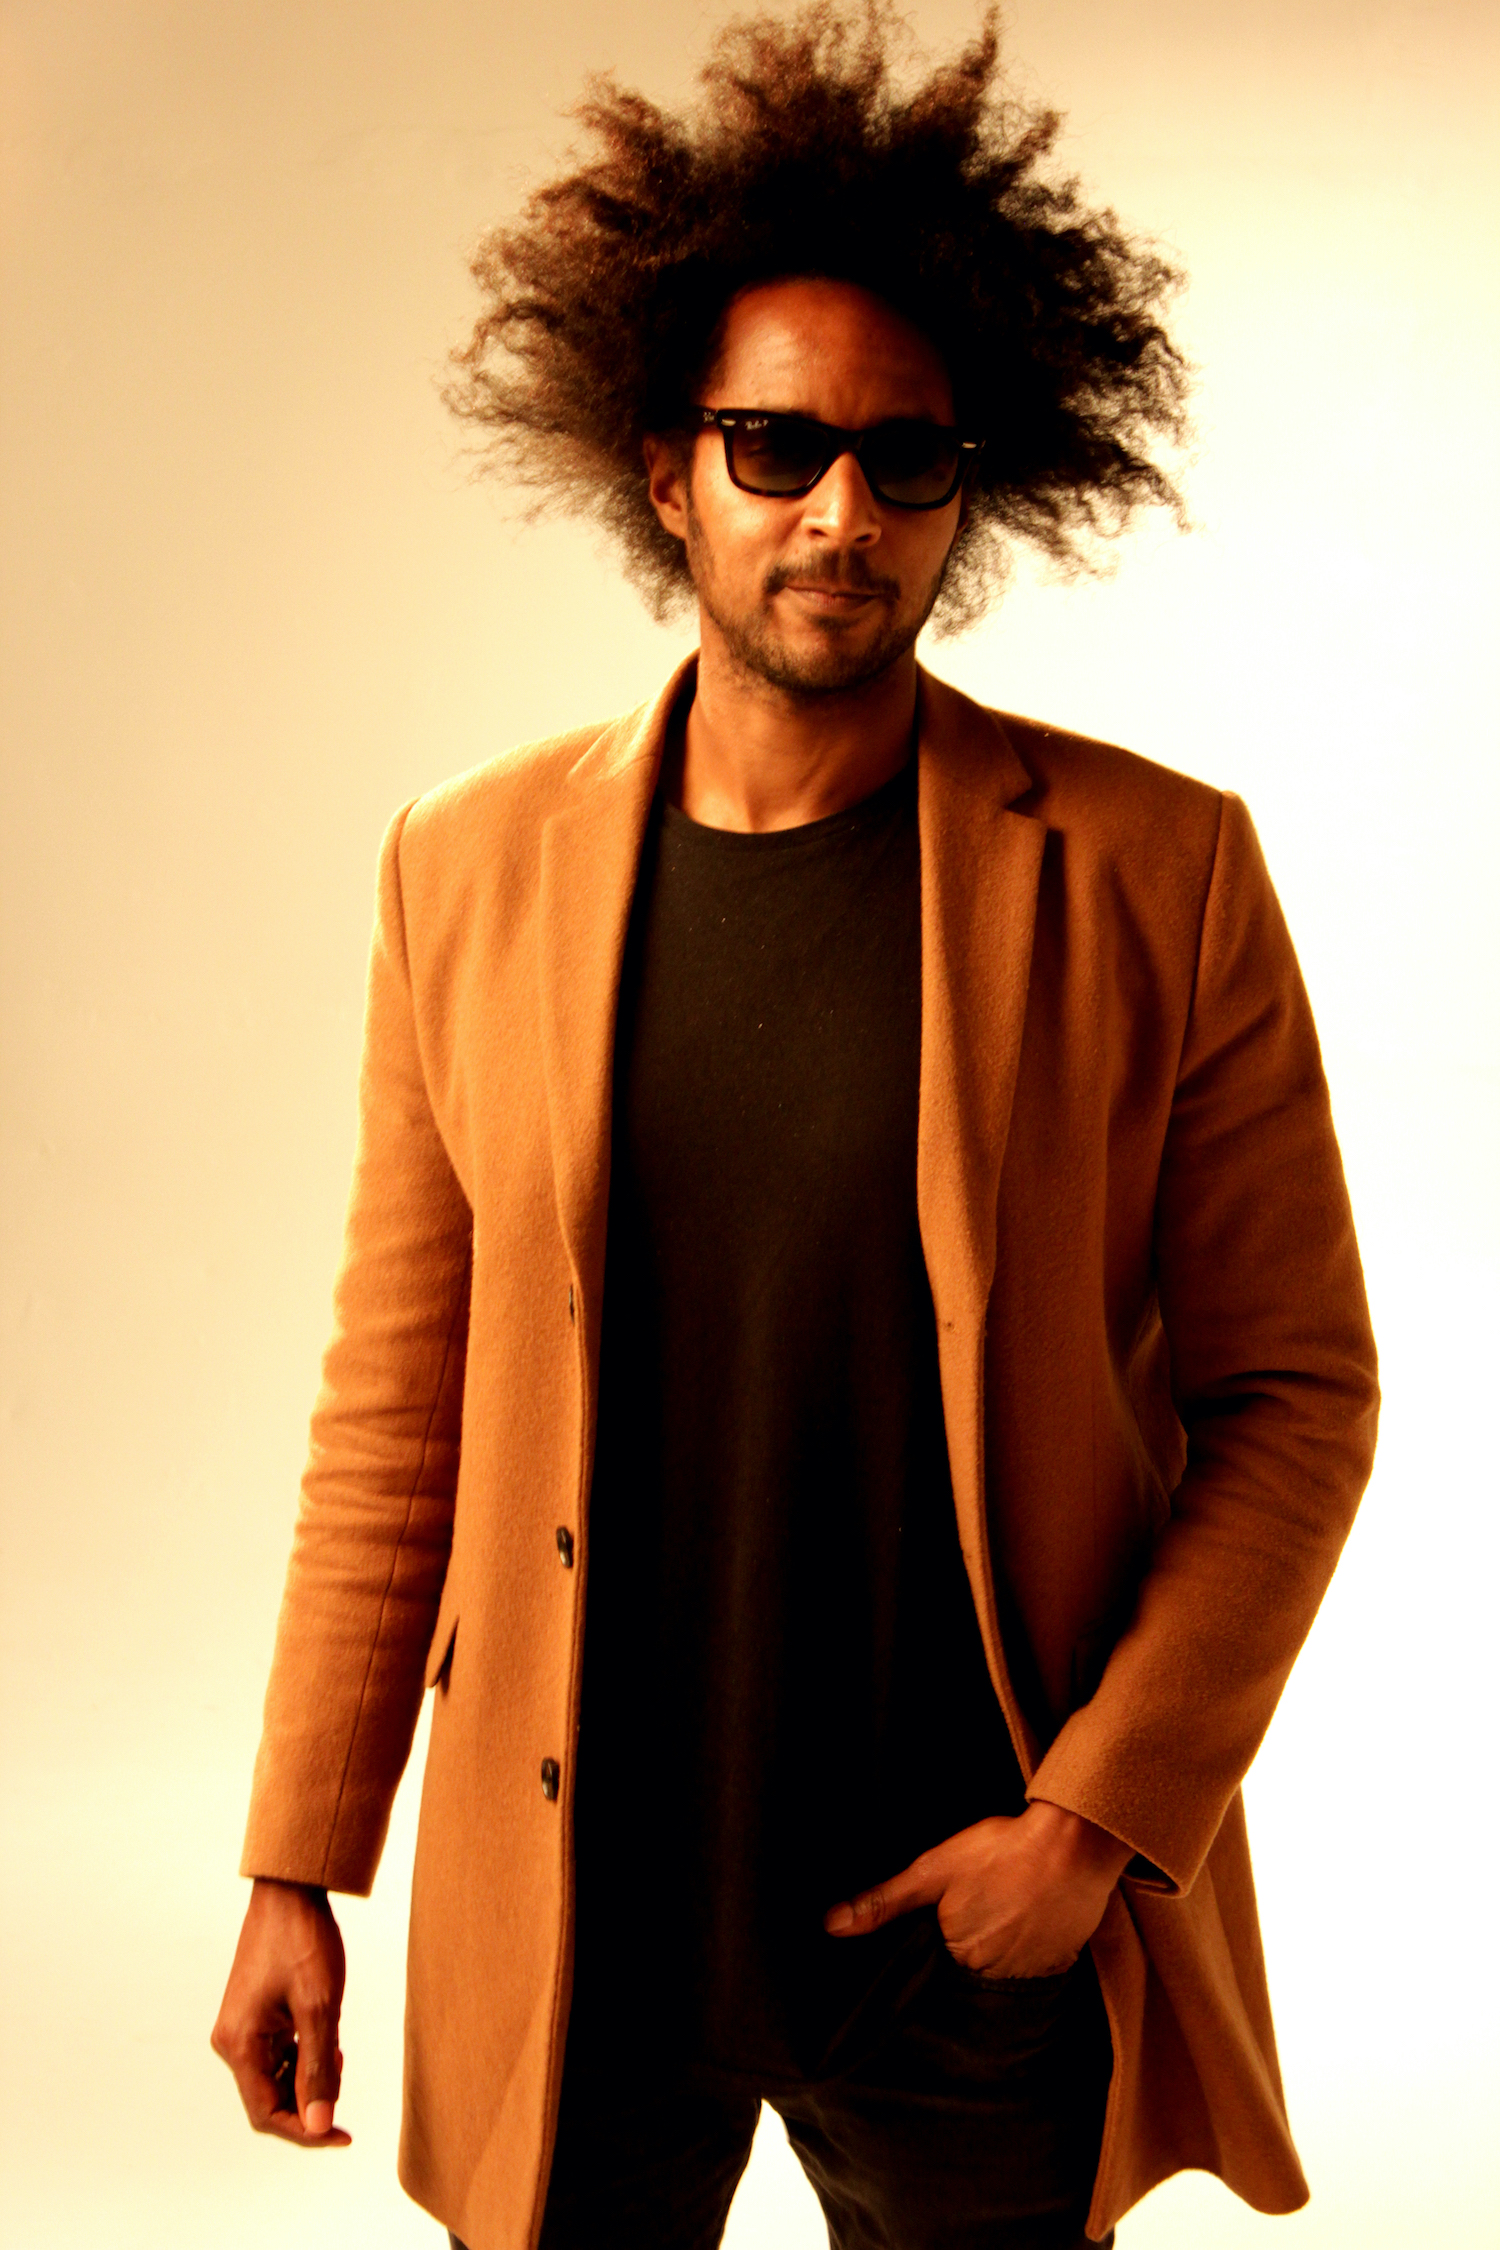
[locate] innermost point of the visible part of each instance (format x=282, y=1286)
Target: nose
x=841, y=506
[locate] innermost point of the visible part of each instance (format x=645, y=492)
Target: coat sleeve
x=374, y=1526
x=1262, y=1300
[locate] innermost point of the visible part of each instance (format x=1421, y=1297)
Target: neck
x=752, y=756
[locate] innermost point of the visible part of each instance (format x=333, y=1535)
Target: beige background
x=251, y=604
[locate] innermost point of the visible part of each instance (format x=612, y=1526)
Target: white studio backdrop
x=251, y=603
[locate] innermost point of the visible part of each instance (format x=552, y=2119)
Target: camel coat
x=1157, y=1372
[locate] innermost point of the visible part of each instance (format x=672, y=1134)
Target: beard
x=841, y=662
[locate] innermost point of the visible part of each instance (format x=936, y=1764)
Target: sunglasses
x=782, y=456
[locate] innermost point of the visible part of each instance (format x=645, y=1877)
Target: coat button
x=565, y=1546
x=551, y=1775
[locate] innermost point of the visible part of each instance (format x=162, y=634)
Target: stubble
x=756, y=647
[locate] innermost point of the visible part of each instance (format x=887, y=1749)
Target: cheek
x=732, y=536
x=927, y=547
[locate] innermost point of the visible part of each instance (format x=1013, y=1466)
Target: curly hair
x=603, y=302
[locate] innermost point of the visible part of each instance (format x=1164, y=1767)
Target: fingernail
x=840, y=1918
x=319, y=2117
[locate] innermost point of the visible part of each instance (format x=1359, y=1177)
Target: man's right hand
x=278, y=2022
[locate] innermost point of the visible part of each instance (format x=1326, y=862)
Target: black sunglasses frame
x=728, y=419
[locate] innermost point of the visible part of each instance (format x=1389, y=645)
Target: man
x=848, y=1180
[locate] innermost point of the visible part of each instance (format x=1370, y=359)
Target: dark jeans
x=975, y=2126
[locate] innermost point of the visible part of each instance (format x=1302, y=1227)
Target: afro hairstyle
x=603, y=300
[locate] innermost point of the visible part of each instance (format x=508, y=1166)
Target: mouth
x=831, y=600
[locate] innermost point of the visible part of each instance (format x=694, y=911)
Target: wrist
x=1089, y=1849
x=276, y=1888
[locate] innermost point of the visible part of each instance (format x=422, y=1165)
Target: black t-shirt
x=785, y=1696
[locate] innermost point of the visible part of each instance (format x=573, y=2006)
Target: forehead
x=829, y=349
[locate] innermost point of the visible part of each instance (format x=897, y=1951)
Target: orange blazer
x=1157, y=1371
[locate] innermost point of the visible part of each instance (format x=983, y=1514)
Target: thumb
x=921, y=1884
x=315, y=2018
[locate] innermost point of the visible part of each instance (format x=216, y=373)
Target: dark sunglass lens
x=912, y=463
x=778, y=454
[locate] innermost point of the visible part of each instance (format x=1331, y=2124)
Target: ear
x=666, y=482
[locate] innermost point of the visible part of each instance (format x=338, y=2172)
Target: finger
x=921, y=1884
x=265, y=2073
x=260, y=2061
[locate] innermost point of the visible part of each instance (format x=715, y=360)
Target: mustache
x=851, y=573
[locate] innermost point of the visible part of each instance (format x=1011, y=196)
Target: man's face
x=823, y=592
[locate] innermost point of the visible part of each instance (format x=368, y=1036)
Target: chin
x=826, y=666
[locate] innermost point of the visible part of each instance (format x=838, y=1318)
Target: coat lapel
x=590, y=851
x=981, y=866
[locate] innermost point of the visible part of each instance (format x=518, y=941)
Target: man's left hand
x=1015, y=1898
